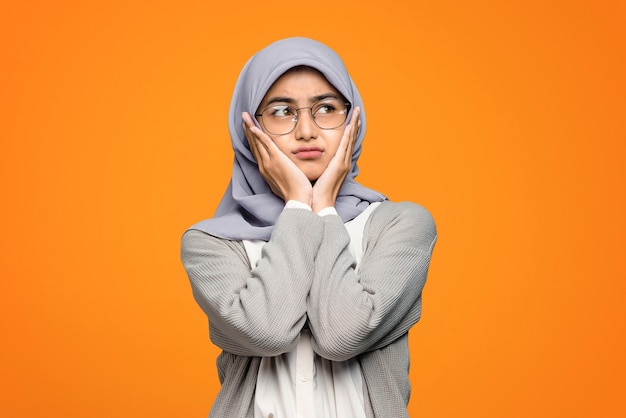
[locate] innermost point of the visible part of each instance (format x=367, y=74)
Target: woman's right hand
x=285, y=179
x=328, y=185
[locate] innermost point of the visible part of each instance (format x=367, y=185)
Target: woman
x=310, y=281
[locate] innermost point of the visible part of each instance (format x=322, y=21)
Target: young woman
x=310, y=281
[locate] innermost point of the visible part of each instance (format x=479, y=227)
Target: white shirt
x=301, y=383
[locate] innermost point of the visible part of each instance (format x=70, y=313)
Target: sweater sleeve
x=258, y=311
x=354, y=311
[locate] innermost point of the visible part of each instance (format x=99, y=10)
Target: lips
x=308, y=153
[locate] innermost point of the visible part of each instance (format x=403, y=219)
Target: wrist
x=300, y=197
x=327, y=211
x=317, y=206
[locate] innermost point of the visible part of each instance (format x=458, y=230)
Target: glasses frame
x=297, y=117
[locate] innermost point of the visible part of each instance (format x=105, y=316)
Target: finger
x=255, y=139
x=264, y=139
x=347, y=138
x=349, y=129
x=259, y=152
x=356, y=124
x=355, y=116
x=344, y=144
x=252, y=143
x=355, y=133
x=249, y=135
x=352, y=135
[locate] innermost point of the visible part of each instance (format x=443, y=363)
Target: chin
x=311, y=173
x=312, y=176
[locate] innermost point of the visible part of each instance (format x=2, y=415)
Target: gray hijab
x=249, y=208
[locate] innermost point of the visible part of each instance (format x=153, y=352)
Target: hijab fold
x=249, y=209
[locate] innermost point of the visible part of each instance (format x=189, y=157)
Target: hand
x=328, y=185
x=285, y=179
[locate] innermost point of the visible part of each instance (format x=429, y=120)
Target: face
x=310, y=147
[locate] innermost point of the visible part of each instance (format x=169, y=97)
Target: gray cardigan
x=306, y=276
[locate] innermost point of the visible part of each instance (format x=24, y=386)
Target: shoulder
x=194, y=238
x=405, y=212
x=405, y=219
x=197, y=246
x=404, y=209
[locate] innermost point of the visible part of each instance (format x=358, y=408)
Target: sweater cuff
x=295, y=204
x=328, y=211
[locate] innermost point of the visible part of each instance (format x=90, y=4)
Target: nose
x=306, y=129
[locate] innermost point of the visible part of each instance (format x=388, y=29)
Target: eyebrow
x=290, y=100
x=279, y=99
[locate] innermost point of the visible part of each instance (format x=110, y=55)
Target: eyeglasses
x=282, y=119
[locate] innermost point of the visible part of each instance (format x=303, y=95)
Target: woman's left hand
x=328, y=185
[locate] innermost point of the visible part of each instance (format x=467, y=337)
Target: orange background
x=504, y=119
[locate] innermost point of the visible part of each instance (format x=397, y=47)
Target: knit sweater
x=306, y=276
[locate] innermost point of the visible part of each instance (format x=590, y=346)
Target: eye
x=281, y=111
x=325, y=108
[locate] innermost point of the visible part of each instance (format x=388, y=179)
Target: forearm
x=261, y=310
x=352, y=312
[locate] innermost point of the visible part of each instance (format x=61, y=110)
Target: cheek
x=332, y=141
x=282, y=144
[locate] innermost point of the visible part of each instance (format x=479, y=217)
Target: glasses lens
x=330, y=114
x=279, y=119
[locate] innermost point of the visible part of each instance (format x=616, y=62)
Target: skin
x=314, y=181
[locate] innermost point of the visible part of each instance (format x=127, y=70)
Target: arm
x=353, y=312
x=259, y=311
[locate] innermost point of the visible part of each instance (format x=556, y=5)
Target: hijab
x=249, y=209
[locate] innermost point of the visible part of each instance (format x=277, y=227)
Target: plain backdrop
x=505, y=119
